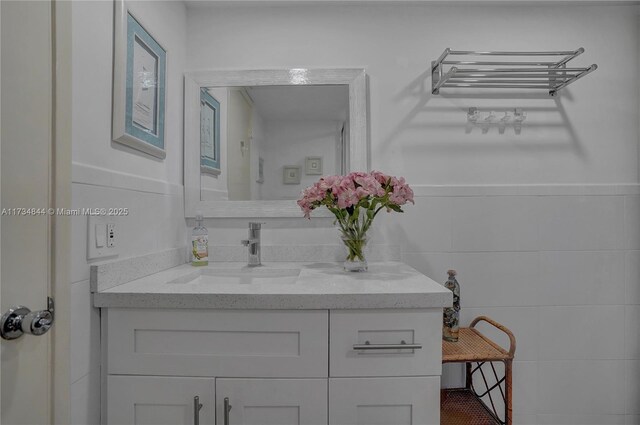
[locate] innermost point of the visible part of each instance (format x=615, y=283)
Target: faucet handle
x=255, y=225
x=245, y=242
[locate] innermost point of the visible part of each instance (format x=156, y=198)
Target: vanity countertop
x=316, y=286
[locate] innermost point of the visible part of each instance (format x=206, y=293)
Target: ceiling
x=301, y=103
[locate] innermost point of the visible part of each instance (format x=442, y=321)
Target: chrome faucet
x=254, y=244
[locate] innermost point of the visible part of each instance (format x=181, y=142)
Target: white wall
x=415, y=133
x=543, y=237
x=109, y=175
x=288, y=143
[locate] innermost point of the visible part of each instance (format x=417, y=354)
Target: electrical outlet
x=111, y=235
x=101, y=237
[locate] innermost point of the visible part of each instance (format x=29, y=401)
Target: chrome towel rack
x=537, y=72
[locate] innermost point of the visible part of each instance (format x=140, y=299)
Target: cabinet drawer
x=355, y=333
x=229, y=343
x=384, y=401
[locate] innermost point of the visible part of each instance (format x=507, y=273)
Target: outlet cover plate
x=93, y=251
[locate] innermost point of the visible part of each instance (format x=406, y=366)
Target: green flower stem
x=354, y=228
x=355, y=248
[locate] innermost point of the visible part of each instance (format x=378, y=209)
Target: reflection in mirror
x=293, y=124
x=270, y=142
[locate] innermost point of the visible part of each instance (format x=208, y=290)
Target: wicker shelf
x=465, y=406
x=461, y=406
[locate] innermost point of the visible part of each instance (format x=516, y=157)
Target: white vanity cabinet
x=280, y=367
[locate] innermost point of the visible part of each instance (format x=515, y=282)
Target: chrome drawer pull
x=402, y=346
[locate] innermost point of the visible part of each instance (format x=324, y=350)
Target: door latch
x=19, y=320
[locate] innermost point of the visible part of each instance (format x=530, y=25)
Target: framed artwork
x=139, y=85
x=209, y=133
x=313, y=165
x=291, y=174
x=260, y=178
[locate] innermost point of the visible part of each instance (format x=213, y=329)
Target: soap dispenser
x=199, y=243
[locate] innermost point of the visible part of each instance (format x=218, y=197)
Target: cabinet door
x=384, y=401
x=159, y=400
x=272, y=401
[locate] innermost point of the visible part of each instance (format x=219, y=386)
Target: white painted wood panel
x=273, y=401
x=350, y=327
x=146, y=400
x=228, y=343
x=384, y=401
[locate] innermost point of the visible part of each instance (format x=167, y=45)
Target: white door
x=157, y=400
x=384, y=401
x=238, y=142
x=272, y=401
x=33, y=392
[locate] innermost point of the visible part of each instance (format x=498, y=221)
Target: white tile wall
x=491, y=279
x=581, y=419
x=155, y=223
x=522, y=321
x=632, y=400
x=85, y=331
x=581, y=278
x=525, y=419
x=496, y=223
x=632, y=420
x=85, y=400
x=632, y=277
x=581, y=332
x=632, y=332
x=425, y=226
x=558, y=271
x=432, y=264
x=631, y=221
x=525, y=388
x=581, y=222
x=581, y=387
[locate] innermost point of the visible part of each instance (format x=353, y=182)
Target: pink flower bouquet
x=355, y=200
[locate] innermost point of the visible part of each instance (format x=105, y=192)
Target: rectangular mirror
x=255, y=139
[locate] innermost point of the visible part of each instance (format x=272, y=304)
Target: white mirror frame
x=358, y=158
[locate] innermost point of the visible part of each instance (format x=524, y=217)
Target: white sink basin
x=263, y=275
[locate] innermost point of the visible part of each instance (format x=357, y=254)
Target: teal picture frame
x=139, y=85
x=209, y=133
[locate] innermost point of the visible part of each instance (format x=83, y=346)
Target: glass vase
x=355, y=261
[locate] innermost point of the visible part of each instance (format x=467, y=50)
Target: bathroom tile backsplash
x=304, y=253
x=113, y=273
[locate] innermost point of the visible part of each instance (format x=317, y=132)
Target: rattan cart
x=468, y=405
